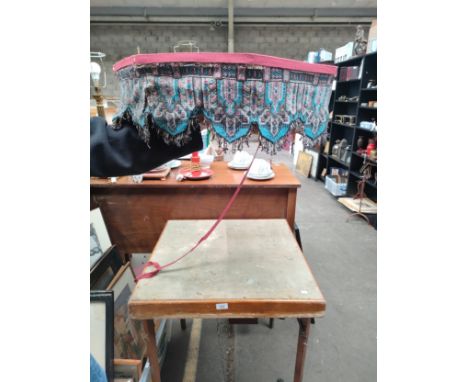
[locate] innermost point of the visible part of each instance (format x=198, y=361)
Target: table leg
x=304, y=328
x=152, y=350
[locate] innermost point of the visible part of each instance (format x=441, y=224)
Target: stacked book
x=348, y=73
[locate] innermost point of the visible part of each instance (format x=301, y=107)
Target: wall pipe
x=230, y=26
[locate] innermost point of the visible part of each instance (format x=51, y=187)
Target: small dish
x=196, y=175
x=263, y=177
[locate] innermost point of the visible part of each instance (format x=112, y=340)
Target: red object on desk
x=195, y=165
x=196, y=175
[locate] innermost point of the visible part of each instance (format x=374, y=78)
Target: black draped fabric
x=119, y=152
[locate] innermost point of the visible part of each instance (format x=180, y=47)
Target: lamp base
x=98, y=97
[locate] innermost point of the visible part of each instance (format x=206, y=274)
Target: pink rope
x=147, y=275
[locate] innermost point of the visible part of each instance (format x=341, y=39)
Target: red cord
x=159, y=267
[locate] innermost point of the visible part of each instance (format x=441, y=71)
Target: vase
x=336, y=148
x=346, y=155
x=341, y=149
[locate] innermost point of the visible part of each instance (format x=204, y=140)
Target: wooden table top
x=246, y=268
x=223, y=177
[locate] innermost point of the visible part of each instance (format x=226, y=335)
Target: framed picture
x=304, y=163
x=129, y=340
x=99, y=238
x=102, y=329
x=127, y=368
x=105, y=269
x=315, y=162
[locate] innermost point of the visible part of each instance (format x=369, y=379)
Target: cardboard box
x=324, y=55
x=344, y=52
x=321, y=55
x=311, y=57
x=372, y=39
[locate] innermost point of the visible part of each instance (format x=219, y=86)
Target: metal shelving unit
x=354, y=88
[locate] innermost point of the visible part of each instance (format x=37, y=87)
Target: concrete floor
x=342, y=344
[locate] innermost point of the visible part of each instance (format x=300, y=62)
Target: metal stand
x=366, y=174
x=99, y=102
x=360, y=194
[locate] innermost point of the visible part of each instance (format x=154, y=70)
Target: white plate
x=186, y=157
x=174, y=163
x=237, y=167
x=271, y=176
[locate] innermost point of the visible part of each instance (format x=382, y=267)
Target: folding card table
x=245, y=269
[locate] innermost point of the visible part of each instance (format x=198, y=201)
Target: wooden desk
x=246, y=268
x=135, y=214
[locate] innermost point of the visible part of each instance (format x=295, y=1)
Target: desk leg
x=152, y=350
x=291, y=208
x=304, y=328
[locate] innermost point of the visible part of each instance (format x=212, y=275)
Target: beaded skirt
x=233, y=92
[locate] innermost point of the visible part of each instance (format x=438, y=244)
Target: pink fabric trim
x=226, y=58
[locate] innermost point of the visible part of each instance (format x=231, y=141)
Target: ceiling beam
x=305, y=21
x=238, y=12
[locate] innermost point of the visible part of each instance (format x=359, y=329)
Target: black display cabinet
x=353, y=89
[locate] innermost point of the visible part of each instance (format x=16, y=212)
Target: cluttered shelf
x=344, y=124
x=355, y=58
x=351, y=80
x=338, y=160
x=364, y=157
x=365, y=129
x=349, y=60
x=356, y=84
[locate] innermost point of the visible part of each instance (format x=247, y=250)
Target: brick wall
x=119, y=41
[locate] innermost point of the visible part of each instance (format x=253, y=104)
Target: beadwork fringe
x=224, y=144
x=144, y=132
